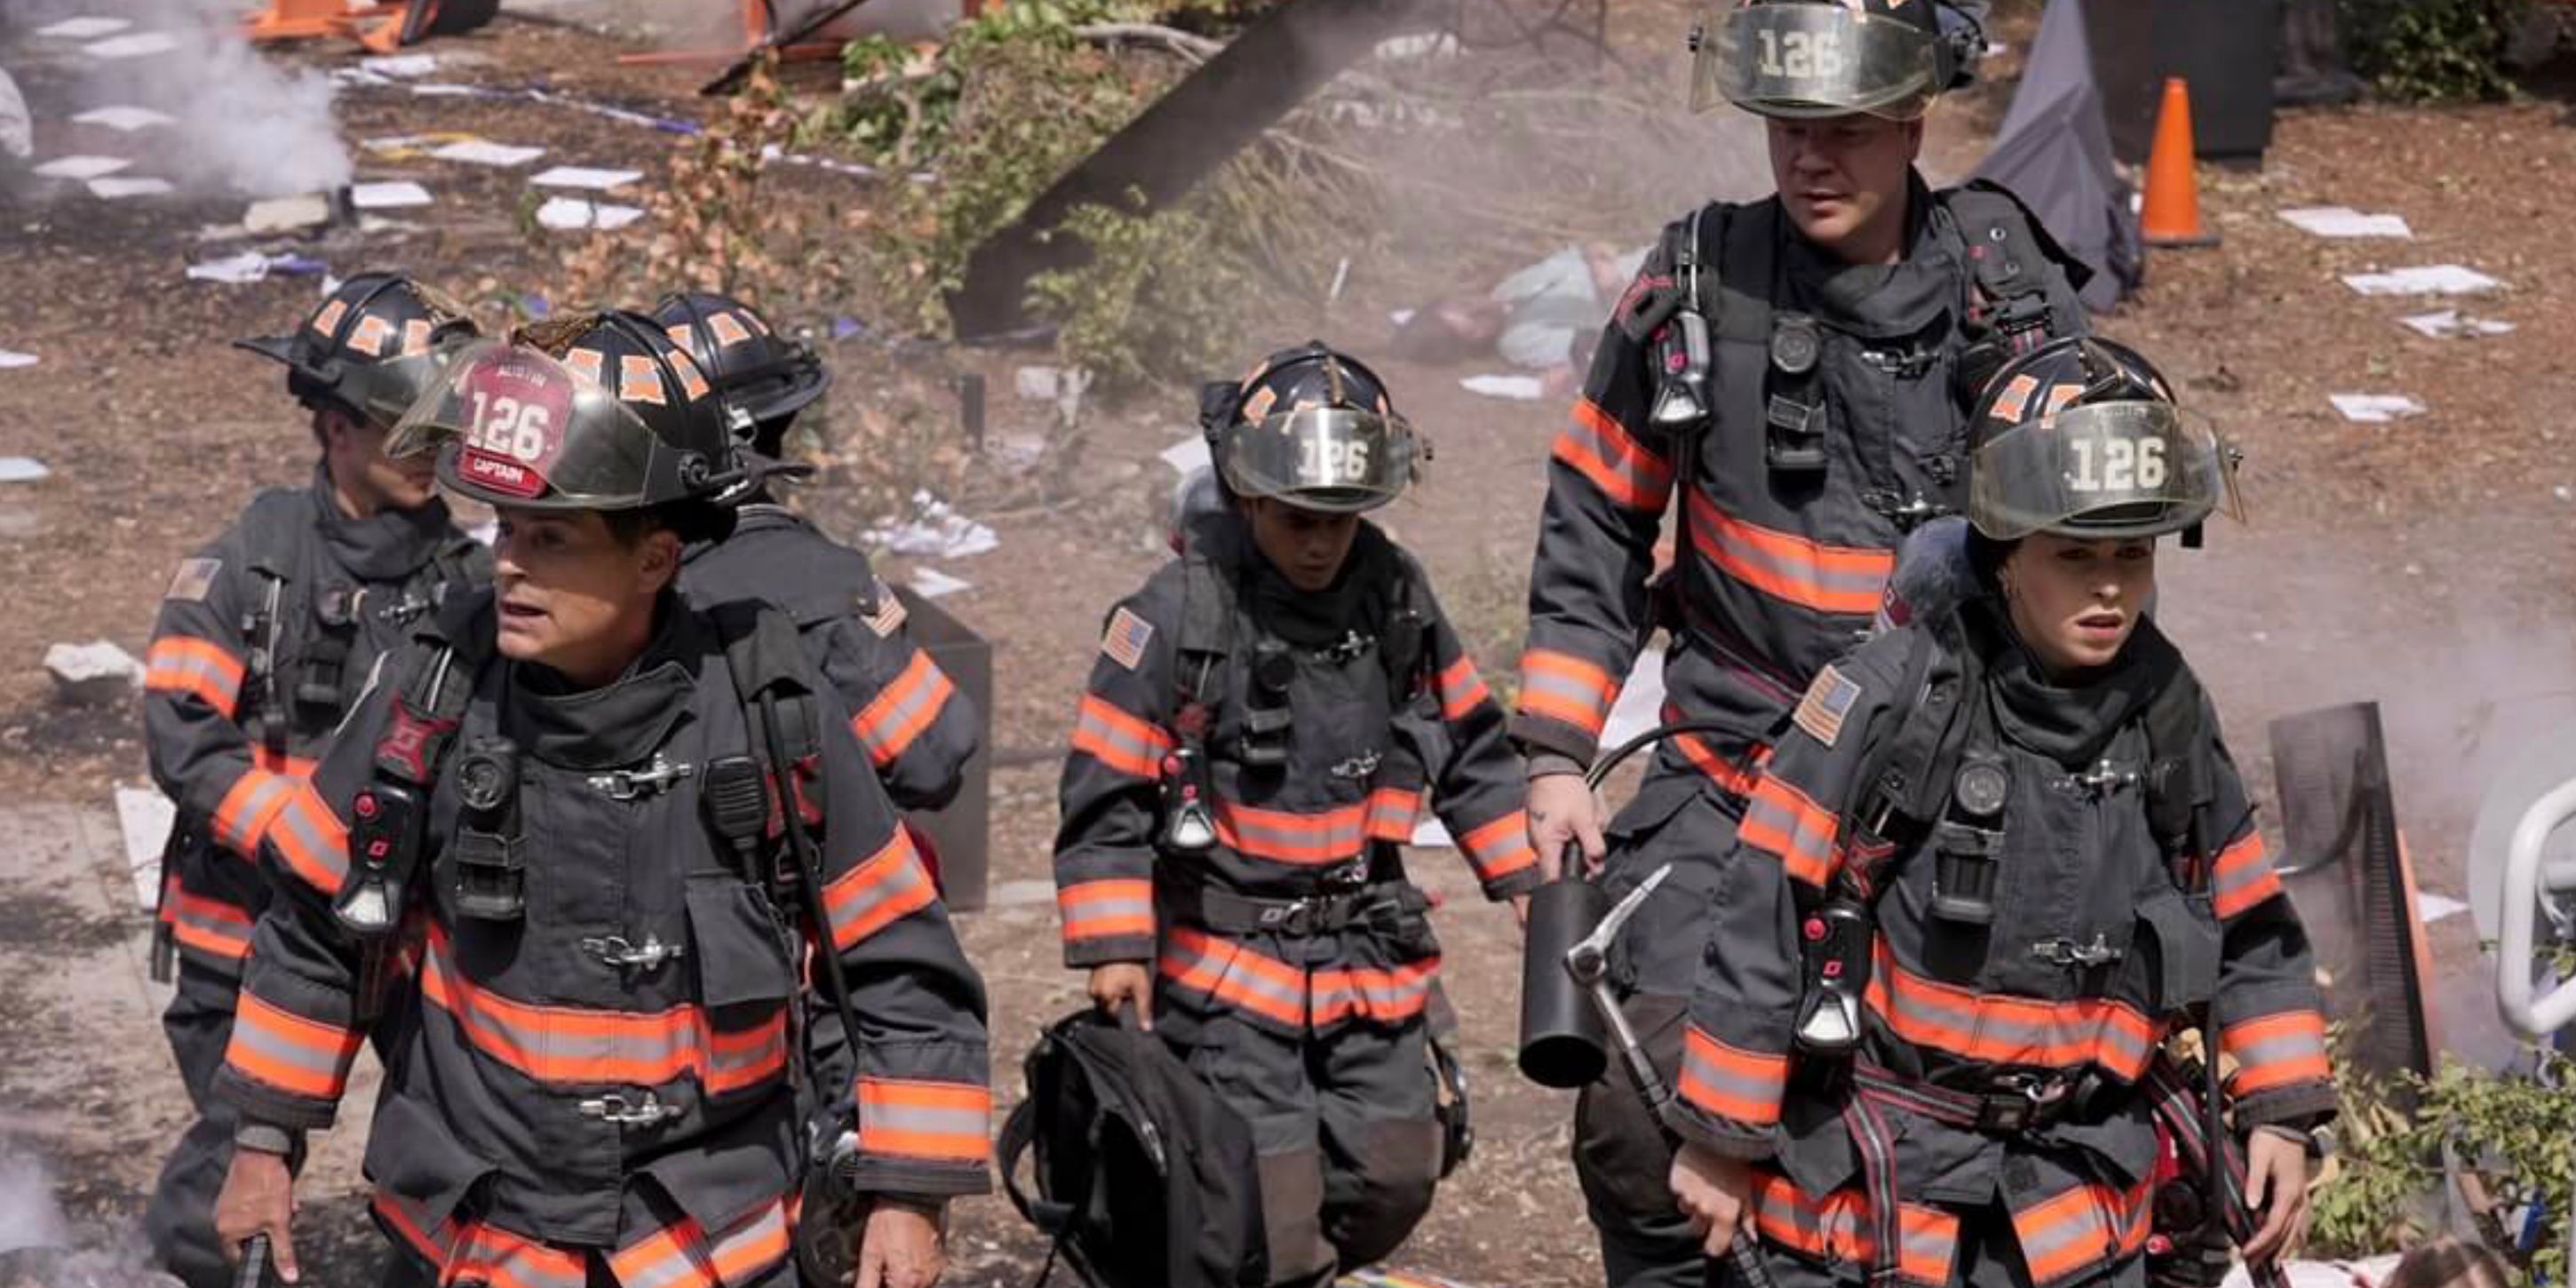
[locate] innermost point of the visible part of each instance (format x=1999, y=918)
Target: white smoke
x=29, y=1217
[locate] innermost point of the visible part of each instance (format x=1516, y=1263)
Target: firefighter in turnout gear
x=1788, y=378
x=633, y=836
x=1266, y=721
x=265, y=638
x=918, y=729
x=1997, y=856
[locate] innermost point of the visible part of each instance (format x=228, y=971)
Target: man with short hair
x=1790, y=375
x=265, y=638
x=639, y=838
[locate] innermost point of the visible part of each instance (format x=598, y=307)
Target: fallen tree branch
x=1197, y=49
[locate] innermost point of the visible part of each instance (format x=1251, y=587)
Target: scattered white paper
x=12, y=361
x=1515, y=388
x=142, y=44
x=939, y=533
x=1428, y=834
x=401, y=66
x=22, y=469
x=2367, y=1273
x=1187, y=456
x=2344, y=221
x=1641, y=702
x=236, y=270
x=393, y=195
x=437, y=90
x=82, y=167
x=2375, y=409
x=120, y=188
x=84, y=28
x=934, y=584
x=144, y=817
x=565, y=214
x=1400, y=317
x=127, y=119
x=574, y=176
x=2448, y=324
x=2431, y=907
x=2433, y=279
x=486, y=152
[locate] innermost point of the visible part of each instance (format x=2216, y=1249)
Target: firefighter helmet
x=374, y=346
x=763, y=378
x=1816, y=58
x=2081, y=438
x=1313, y=427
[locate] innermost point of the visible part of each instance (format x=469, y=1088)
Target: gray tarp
x=2054, y=151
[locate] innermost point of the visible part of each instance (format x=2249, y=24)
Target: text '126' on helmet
x=1805, y=59
x=595, y=411
x=374, y=346
x=1311, y=427
x=2081, y=438
x=763, y=377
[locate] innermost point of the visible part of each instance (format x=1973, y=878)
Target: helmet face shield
x=2107, y=470
x=1804, y=61
x=514, y=426
x=1338, y=460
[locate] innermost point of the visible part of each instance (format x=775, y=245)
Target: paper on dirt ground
x=567, y=214
x=2450, y=324
x=144, y=818
x=2431, y=279
x=125, y=118
x=11, y=361
x=389, y=195
x=119, y=188
x=586, y=177
x=1515, y=388
x=2375, y=409
x=486, y=152
x=934, y=584
x=2344, y=221
x=939, y=532
x=22, y=469
x=142, y=44
x=82, y=167
x=84, y=28
x=401, y=66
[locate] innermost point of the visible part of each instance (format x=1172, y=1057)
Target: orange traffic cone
x=2172, y=215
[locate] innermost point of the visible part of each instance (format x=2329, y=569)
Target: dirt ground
x=2417, y=564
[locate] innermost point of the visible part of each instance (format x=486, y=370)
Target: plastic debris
x=584, y=177
x=2375, y=409
x=253, y=266
x=939, y=532
x=83, y=168
x=1515, y=388
x=287, y=214
x=2449, y=324
x=93, y=674
x=125, y=118
x=2432, y=279
x=2344, y=221
x=934, y=584
x=566, y=214
x=23, y=469
x=12, y=361
x=142, y=44
x=401, y=66
x=120, y=187
x=86, y=27
x=486, y=152
x=392, y=195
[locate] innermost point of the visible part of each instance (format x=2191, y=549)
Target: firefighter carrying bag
x=1145, y=1179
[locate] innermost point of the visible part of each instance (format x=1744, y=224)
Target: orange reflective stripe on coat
x=1500, y=848
x=2006, y=1030
x=1733, y=777
x=1602, y=450
x=1195, y=960
x=1783, y=821
x=470, y=1252
x=569, y=1045
x=1836, y=1229
x=897, y=715
x=1124, y=742
x=1827, y=579
x=884, y=888
x=1563, y=687
x=1462, y=690
x=1732, y=1083
x=937, y=1122
x=2243, y=878
x=2277, y=1050
x=243, y=814
x=1107, y=909
x=310, y=839
x=280, y=1049
x=683, y=1256
x=1325, y=837
x=2084, y=1228
x=210, y=926
x=199, y=668
x=1389, y=995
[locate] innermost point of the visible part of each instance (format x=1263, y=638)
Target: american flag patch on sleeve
x=1828, y=701
x=1126, y=638
x=889, y=615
